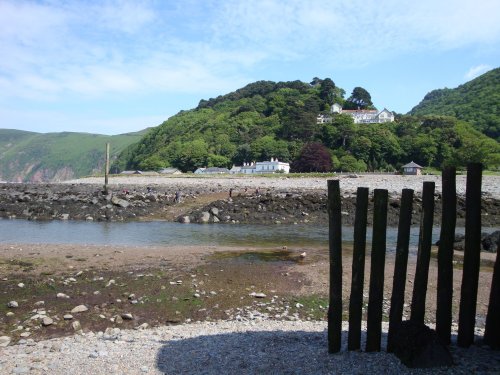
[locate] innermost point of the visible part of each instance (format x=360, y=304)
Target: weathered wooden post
x=492, y=330
x=335, y=246
x=106, y=170
x=445, y=255
x=400, y=266
x=374, y=319
x=358, y=270
x=472, y=256
x=424, y=254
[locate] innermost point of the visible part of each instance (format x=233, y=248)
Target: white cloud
x=357, y=31
x=53, y=49
x=476, y=71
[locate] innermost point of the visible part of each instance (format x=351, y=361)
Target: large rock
x=119, y=202
x=184, y=219
x=418, y=346
x=490, y=242
x=204, y=217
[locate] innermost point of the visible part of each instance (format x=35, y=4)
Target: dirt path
x=172, y=212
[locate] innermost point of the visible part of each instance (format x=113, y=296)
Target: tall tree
x=314, y=157
x=360, y=98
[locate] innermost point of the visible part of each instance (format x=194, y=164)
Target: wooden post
x=400, y=266
x=375, y=301
x=424, y=254
x=106, y=170
x=358, y=270
x=472, y=256
x=335, y=245
x=445, y=256
x=492, y=330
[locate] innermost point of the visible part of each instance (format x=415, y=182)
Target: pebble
x=257, y=295
x=127, y=316
x=21, y=285
x=68, y=317
x=79, y=309
x=4, y=341
x=76, y=325
x=62, y=295
x=12, y=304
x=47, y=321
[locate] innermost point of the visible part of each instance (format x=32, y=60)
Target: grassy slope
x=81, y=152
x=476, y=101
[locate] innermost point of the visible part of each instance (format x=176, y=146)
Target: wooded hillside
x=267, y=119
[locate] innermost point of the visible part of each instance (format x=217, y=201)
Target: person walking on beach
x=230, y=192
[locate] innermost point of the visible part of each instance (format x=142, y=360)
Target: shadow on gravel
x=275, y=352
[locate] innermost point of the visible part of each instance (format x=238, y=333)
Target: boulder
x=204, y=217
x=214, y=211
x=490, y=242
x=119, y=202
x=418, y=346
x=184, y=219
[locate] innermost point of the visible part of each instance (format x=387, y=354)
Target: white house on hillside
x=273, y=166
x=360, y=116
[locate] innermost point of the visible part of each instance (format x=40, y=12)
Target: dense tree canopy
x=314, y=157
x=477, y=102
x=267, y=119
x=360, y=98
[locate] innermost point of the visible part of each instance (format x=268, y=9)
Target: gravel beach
x=248, y=347
x=348, y=183
x=249, y=341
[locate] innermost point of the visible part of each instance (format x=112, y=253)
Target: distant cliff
x=476, y=102
x=50, y=157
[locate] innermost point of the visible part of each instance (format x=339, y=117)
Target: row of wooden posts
x=470, y=277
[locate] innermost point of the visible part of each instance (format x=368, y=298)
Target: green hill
x=267, y=119
x=477, y=102
x=39, y=157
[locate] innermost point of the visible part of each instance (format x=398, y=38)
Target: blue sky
x=118, y=66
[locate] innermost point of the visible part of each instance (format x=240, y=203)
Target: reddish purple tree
x=314, y=157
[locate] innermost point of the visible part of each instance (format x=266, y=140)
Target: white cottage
x=273, y=166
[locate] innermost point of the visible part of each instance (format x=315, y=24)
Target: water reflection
x=165, y=233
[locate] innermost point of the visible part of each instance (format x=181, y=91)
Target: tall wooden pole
x=358, y=270
x=424, y=254
x=492, y=329
x=472, y=256
x=106, y=170
x=377, y=267
x=400, y=266
x=335, y=245
x=445, y=256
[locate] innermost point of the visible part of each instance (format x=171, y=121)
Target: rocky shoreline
x=204, y=203
x=198, y=202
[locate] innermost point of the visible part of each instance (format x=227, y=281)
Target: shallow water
x=167, y=233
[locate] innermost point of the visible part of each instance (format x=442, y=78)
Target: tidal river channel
x=167, y=233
